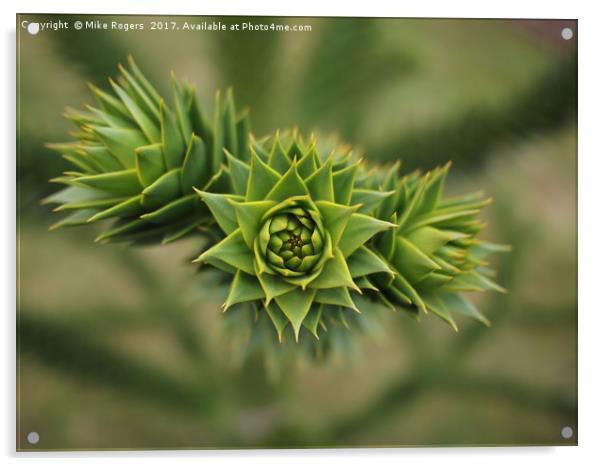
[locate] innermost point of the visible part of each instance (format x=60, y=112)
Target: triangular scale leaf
x=410, y=261
x=442, y=218
x=289, y=185
x=201, y=127
x=343, y=184
x=220, y=182
x=433, y=281
x=146, y=85
x=174, y=211
x=149, y=163
x=363, y=283
x=165, y=189
x=110, y=103
x=320, y=183
x=279, y=160
x=103, y=157
x=140, y=94
x=132, y=206
x=74, y=195
x=458, y=303
x=335, y=296
x=262, y=179
x=368, y=199
x=148, y=126
x=122, y=142
x=434, y=189
x=483, y=249
x=239, y=173
x=221, y=209
x=404, y=286
x=79, y=217
x=413, y=204
x=195, y=171
x=174, y=146
x=244, y=288
x=473, y=281
x=233, y=251
x=312, y=319
x=243, y=128
x=359, y=230
x=249, y=216
x=385, y=241
x=295, y=305
x=229, y=124
x=435, y=304
x=121, y=183
x=335, y=218
x=365, y=262
x=334, y=274
x=109, y=119
x=428, y=239
x=180, y=233
x=279, y=320
x=272, y=285
x=181, y=109
x=307, y=164
x=92, y=204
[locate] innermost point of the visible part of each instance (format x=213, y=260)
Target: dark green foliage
x=136, y=159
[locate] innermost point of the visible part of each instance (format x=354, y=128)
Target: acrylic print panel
x=294, y=261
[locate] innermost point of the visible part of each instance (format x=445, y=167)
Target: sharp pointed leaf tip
x=199, y=259
x=99, y=239
x=200, y=193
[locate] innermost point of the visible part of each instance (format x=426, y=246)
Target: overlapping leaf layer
x=306, y=233
x=137, y=159
x=434, y=253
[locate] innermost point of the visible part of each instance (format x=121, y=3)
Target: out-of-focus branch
x=528, y=396
x=469, y=137
x=64, y=348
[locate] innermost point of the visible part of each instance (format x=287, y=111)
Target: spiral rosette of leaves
x=295, y=232
x=136, y=159
x=434, y=253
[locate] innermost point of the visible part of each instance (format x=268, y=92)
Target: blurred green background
x=123, y=348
